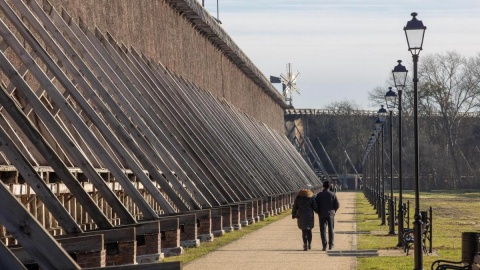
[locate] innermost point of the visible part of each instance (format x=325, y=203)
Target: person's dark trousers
x=307, y=238
x=324, y=223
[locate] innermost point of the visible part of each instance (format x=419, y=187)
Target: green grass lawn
x=454, y=212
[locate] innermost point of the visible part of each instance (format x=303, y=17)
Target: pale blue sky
x=343, y=48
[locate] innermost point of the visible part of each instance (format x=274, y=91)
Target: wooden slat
x=31, y=235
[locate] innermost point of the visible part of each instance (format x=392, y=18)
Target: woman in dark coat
x=303, y=210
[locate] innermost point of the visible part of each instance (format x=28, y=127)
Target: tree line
x=449, y=125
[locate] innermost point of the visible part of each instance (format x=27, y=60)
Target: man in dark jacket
x=327, y=205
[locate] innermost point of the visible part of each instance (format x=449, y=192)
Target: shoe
x=324, y=248
x=309, y=246
x=330, y=247
x=305, y=247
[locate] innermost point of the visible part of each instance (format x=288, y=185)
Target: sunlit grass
x=191, y=254
x=454, y=212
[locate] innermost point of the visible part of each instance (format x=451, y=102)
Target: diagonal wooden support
x=31, y=235
x=9, y=261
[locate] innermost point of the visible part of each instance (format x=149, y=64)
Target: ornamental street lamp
x=382, y=113
x=378, y=133
x=414, y=32
x=399, y=77
x=391, y=100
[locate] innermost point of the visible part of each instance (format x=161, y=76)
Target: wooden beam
x=78, y=244
x=9, y=261
x=31, y=235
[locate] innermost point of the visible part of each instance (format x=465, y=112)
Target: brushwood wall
x=184, y=38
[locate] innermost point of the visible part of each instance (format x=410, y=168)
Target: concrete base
x=205, y=237
x=266, y=214
x=150, y=258
x=237, y=227
x=251, y=221
x=261, y=217
x=245, y=223
x=172, y=251
x=228, y=229
x=190, y=243
x=218, y=233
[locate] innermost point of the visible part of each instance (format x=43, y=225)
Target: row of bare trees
x=449, y=124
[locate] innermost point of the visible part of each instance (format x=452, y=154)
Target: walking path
x=279, y=246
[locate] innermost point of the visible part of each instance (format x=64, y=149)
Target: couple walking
x=325, y=203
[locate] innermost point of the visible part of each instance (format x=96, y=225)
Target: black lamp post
x=378, y=129
x=382, y=113
x=415, y=31
x=400, y=77
x=391, y=101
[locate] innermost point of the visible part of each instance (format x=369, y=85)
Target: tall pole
x=383, y=178
x=417, y=224
x=415, y=32
x=390, y=205
x=400, y=175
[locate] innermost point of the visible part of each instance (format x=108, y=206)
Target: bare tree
x=449, y=90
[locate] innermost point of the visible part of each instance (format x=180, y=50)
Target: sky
x=343, y=48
